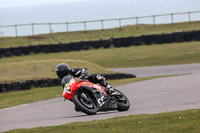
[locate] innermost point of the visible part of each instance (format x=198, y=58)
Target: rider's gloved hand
x=79, y=73
x=109, y=89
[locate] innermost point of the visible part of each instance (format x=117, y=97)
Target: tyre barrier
x=35, y=49
x=117, y=42
x=197, y=35
x=148, y=39
x=6, y=52
x=105, y=43
x=127, y=41
x=168, y=38
x=178, y=36
x=137, y=41
x=96, y=44
x=26, y=85
x=85, y=45
x=158, y=38
x=25, y=50
x=75, y=46
x=54, y=48
x=16, y=51
x=118, y=76
x=65, y=47
x=45, y=49
x=188, y=36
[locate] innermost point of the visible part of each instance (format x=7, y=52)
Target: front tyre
x=122, y=101
x=86, y=105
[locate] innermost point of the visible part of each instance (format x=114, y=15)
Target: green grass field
x=41, y=69
x=173, y=122
x=134, y=56
x=98, y=34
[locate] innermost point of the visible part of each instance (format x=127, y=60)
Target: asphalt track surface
x=146, y=97
x=161, y=70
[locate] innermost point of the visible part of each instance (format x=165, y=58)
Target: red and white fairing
x=73, y=85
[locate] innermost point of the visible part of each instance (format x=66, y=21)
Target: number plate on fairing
x=66, y=89
x=101, y=101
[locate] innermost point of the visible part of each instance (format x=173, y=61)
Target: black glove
x=78, y=72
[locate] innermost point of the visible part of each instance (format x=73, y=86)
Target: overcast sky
x=14, y=3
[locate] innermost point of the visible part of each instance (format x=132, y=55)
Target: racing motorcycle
x=91, y=98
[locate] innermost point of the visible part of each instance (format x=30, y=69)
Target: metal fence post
x=67, y=27
x=50, y=28
x=154, y=21
x=33, y=29
x=137, y=22
x=85, y=26
x=0, y=31
x=120, y=24
x=172, y=18
x=102, y=26
x=189, y=17
x=16, y=32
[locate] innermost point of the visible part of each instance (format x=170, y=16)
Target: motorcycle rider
x=63, y=70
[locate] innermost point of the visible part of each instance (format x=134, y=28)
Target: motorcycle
x=91, y=98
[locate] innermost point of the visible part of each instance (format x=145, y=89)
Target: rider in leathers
x=63, y=70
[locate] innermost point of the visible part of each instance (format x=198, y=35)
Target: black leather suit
x=82, y=74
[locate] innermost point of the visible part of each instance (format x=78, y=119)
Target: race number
x=101, y=101
x=66, y=89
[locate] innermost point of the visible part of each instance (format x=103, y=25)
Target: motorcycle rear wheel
x=88, y=108
x=122, y=102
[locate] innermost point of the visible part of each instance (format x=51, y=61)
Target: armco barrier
x=105, y=43
x=4, y=87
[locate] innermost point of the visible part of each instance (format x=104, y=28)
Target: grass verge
x=9, y=99
x=40, y=69
x=66, y=37
x=134, y=56
x=173, y=122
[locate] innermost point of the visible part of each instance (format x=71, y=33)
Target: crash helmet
x=62, y=70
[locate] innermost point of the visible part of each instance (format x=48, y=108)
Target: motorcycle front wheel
x=122, y=101
x=85, y=104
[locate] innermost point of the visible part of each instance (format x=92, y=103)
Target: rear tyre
x=86, y=106
x=122, y=101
